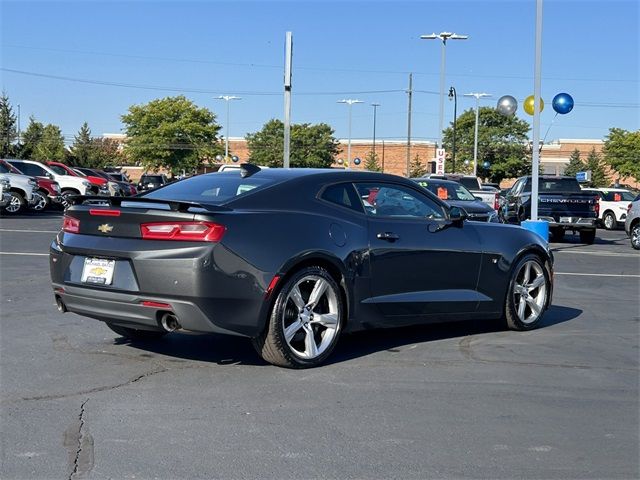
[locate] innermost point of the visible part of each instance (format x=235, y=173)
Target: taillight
x=183, y=231
x=70, y=224
x=496, y=202
x=629, y=207
x=596, y=207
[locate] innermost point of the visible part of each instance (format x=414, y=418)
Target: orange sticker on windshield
x=442, y=193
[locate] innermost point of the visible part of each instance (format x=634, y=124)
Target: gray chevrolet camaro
x=291, y=258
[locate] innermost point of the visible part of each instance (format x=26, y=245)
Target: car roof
x=325, y=174
x=441, y=181
x=605, y=189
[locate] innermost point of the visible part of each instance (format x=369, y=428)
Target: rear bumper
x=571, y=223
x=128, y=310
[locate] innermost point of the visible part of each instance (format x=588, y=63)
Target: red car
x=62, y=169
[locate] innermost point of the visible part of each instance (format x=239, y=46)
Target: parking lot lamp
x=375, y=108
x=349, y=102
x=475, y=137
x=444, y=36
x=227, y=98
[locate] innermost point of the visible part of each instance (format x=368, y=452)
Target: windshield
x=448, y=191
x=213, y=188
x=59, y=170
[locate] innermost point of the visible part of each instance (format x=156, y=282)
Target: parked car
x=99, y=186
x=5, y=191
x=632, y=223
x=472, y=183
x=47, y=191
x=119, y=176
x=561, y=202
x=69, y=184
x=22, y=188
x=613, y=205
x=291, y=258
x=457, y=195
x=150, y=181
x=115, y=189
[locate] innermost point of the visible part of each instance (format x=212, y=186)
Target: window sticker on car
x=442, y=193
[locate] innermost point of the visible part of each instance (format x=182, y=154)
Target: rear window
x=151, y=179
x=617, y=196
x=470, y=183
x=213, y=188
x=555, y=185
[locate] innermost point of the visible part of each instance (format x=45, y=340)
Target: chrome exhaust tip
x=169, y=322
x=62, y=308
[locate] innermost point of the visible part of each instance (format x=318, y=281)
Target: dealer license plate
x=98, y=271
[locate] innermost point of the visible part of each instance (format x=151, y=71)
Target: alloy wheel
x=14, y=205
x=635, y=237
x=41, y=202
x=530, y=292
x=311, y=318
x=609, y=221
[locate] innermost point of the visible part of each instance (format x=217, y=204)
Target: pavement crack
x=79, y=444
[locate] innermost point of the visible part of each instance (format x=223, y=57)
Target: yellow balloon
x=529, y=105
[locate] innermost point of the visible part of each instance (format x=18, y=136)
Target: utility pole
x=410, y=94
x=288, y=54
x=375, y=108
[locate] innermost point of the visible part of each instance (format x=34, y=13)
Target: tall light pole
x=454, y=96
x=444, y=36
x=227, y=98
x=375, y=108
x=475, y=138
x=349, y=102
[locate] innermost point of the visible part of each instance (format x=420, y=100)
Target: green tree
x=82, y=148
x=8, y=130
x=171, y=133
x=501, y=142
x=371, y=162
x=598, y=174
x=51, y=145
x=416, y=168
x=105, y=151
x=575, y=165
x=312, y=146
x=622, y=152
x=30, y=139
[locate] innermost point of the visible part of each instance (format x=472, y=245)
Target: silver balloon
x=507, y=105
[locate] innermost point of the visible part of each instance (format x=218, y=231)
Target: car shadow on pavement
x=31, y=214
x=393, y=340
x=229, y=350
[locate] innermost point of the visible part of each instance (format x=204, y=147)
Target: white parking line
x=28, y=231
x=28, y=254
x=630, y=275
x=599, y=254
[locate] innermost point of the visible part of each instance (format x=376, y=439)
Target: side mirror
x=457, y=216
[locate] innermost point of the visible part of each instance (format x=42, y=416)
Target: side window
x=389, y=200
x=31, y=169
x=342, y=194
x=517, y=188
x=59, y=170
x=3, y=168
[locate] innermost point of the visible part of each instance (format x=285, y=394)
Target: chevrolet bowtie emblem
x=105, y=228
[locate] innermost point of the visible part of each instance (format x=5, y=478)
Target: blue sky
x=341, y=50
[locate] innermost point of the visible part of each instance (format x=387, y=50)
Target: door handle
x=390, y=236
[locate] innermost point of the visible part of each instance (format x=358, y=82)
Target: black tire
x=133, y=334
x=609, y=221
x=635, y=236
x=65, y=196
x=41, y=201
x=539, y=295
x=588, y=236
x=16, y=204
x=273, y=346
x=557, y=234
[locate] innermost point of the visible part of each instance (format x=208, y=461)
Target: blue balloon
x=486, y=164
x=356, y=161
x=234, y=158
x=562, y=103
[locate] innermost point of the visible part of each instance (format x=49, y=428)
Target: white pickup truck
x=472, y=183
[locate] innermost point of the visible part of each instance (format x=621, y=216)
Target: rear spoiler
x=174, y=205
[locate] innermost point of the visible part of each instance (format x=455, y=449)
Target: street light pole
x=227, y=98
x=478, y=96
x=375, y=108
x=453, y=95
x=444, y=36
x=349, y=102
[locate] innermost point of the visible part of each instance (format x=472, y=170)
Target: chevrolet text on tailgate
x=561, y=202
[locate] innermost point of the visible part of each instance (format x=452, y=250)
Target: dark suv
x=151, y=181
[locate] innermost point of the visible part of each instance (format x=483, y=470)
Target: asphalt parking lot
x=467, y=400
